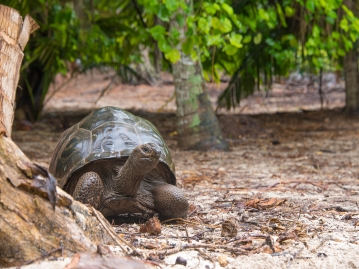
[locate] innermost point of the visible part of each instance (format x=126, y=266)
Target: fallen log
x=36, y=217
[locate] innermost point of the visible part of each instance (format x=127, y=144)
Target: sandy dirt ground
x=285, y=196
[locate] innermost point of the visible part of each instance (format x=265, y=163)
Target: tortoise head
x=145, y=157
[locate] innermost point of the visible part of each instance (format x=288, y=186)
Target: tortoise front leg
x=89, y=189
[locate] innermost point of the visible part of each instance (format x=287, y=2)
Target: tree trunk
x=197, y=124
x=157, y=54
x=29, y=225
x=351, y=70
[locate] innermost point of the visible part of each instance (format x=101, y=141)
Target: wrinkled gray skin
x=118, y=163
x=133, y=187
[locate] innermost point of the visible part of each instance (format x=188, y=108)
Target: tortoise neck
x=129, y=177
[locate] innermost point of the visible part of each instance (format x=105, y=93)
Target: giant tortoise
x=118, y=163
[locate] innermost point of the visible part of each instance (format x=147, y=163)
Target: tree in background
x=251, y=40
x=293, y=35
x=350, y=63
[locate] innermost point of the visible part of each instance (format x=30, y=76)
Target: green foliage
x=311, y=34
x=70, y=30
x=252, y=40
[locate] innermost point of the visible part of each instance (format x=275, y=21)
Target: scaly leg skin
x=89, y=189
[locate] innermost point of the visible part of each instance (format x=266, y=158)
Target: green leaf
x=188, y=45
x=180, y=19
x=163, y=13
x=348, y=11
x=203, y=25
x=214, y=39
x=263, y=14
x=344, y=24
x=353, y=36
x=226, y=25
x=281, y=15
x=341, y=52
x=174, y=34
x=227, y=8
x=171, y=5
x=289, y=12
x=163, y=45
x=210, y=9
x=247, y=39
x=229, y=49
x=216, y=23
x=316, y=31
x=157, y=32
x=257, y=39
x=348, y=45
x=236, y=40
x=335, y=35
x=190, y=21
x=310, y=5
x=173, y=55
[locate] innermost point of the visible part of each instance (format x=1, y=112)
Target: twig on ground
x=193, y=211
x=191, y=223
x=188, y=240
x=193, y=246
x=321, y=243
x=114, y=235
x=321, y=186
x=206, y=256
x=45, y=255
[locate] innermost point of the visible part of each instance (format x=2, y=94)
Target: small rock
x=222, y=171
x=181, y=261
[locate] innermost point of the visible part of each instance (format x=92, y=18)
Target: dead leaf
x=229, y=229
x=264, y=203
x=42, y=183
x=44, y=180
x=152, y=226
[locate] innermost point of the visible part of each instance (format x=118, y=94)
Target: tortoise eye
x=146, y=149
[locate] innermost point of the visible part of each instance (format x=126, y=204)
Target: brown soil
x=289, y=184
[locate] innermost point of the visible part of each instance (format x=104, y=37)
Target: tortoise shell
x=108, y=132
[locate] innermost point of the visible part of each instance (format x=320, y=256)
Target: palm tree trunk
x=197, y=123
x=351, y=70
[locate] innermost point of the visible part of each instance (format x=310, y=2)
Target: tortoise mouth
x=150, y=159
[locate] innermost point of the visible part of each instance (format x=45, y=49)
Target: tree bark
x=14, y=34
x=197, y=124
x=157, y=54
x=29, y=225
x=351, y=70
